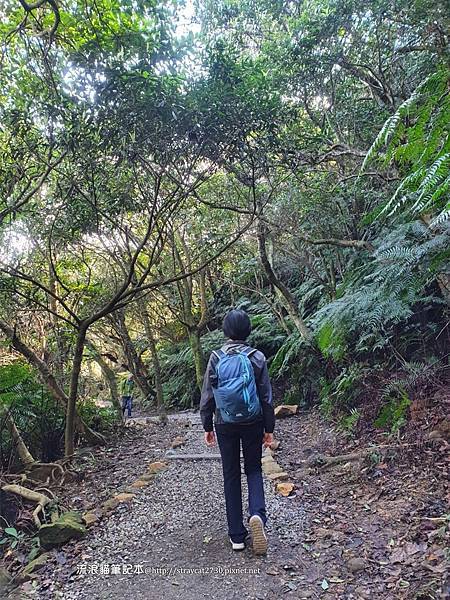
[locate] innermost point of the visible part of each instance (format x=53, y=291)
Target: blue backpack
x=236, y=395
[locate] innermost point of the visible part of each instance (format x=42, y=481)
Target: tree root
x=38, y=475
x=46, y=474
x=93, y=437
x=322, y=461
x=41, y=499
x=47, y=491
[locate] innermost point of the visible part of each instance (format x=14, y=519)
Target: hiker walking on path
x=126, y=389
x=237, y=392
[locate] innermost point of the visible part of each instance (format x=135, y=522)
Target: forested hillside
x=163, y=162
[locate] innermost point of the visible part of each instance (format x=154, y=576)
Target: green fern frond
x=381, y=139
x=416, y=138
x=443, y=216
x=390, y=126
x=398, y=253
x=411, y=178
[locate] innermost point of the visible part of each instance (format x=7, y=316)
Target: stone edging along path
x=92, y=517
x=271, y=469
x=275, y=473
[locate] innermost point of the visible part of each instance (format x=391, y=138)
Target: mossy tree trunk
x=69, y=441
x=61, y=352
x=155, y=361
x=192, y=322
x=199, y=357
x=286, y=296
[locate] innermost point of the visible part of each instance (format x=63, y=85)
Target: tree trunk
x=285, y=294
x=57, y=393
x=197, y=351
x=73, y=391
x=135, y=364
x=278, y=314
x=22, y=450
x=110, y=378
x=155, y=361
x=443, y=280
x=185, y=290
x=60, y=356
x=158, y=380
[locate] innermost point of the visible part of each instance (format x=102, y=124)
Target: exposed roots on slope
x=32, y=496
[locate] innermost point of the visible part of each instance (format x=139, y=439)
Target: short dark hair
x=236, y=325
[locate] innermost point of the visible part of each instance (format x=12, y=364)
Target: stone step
x=192, y=456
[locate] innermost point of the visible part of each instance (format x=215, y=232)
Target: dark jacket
x=207, y=403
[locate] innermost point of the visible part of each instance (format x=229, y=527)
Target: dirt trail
x=333, y=538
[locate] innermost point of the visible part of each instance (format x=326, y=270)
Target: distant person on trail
x=237, y=391
x=126, y=389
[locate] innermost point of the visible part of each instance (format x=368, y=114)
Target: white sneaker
x=259, y=538
x=237, y=545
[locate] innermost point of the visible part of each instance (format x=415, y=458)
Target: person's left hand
x=267, y=439
x=210, y=438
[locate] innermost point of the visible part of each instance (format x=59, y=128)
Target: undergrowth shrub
x=392, y=415
x=348, y=423
x=37, y=416
x=178, y=370
x=340, y=394
x=99, y=418
x=298, y=363
x=177, y=361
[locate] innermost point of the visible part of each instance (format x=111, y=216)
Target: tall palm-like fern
x=417, y=140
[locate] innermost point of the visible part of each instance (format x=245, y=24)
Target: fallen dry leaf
x=285, y=488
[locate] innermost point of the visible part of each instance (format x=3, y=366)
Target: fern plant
x=349, y=423
x=416, y=139
x=337, y=396
x=331, y=341
x=385, y=291
x=393, y=413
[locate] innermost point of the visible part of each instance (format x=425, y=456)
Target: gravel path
x=178, y=523
x=354, y=532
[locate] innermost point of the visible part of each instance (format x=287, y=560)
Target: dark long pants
x=229, y=437
x=127, y=404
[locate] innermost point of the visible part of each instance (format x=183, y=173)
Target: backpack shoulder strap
x=249, y=351
x=219, y=354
